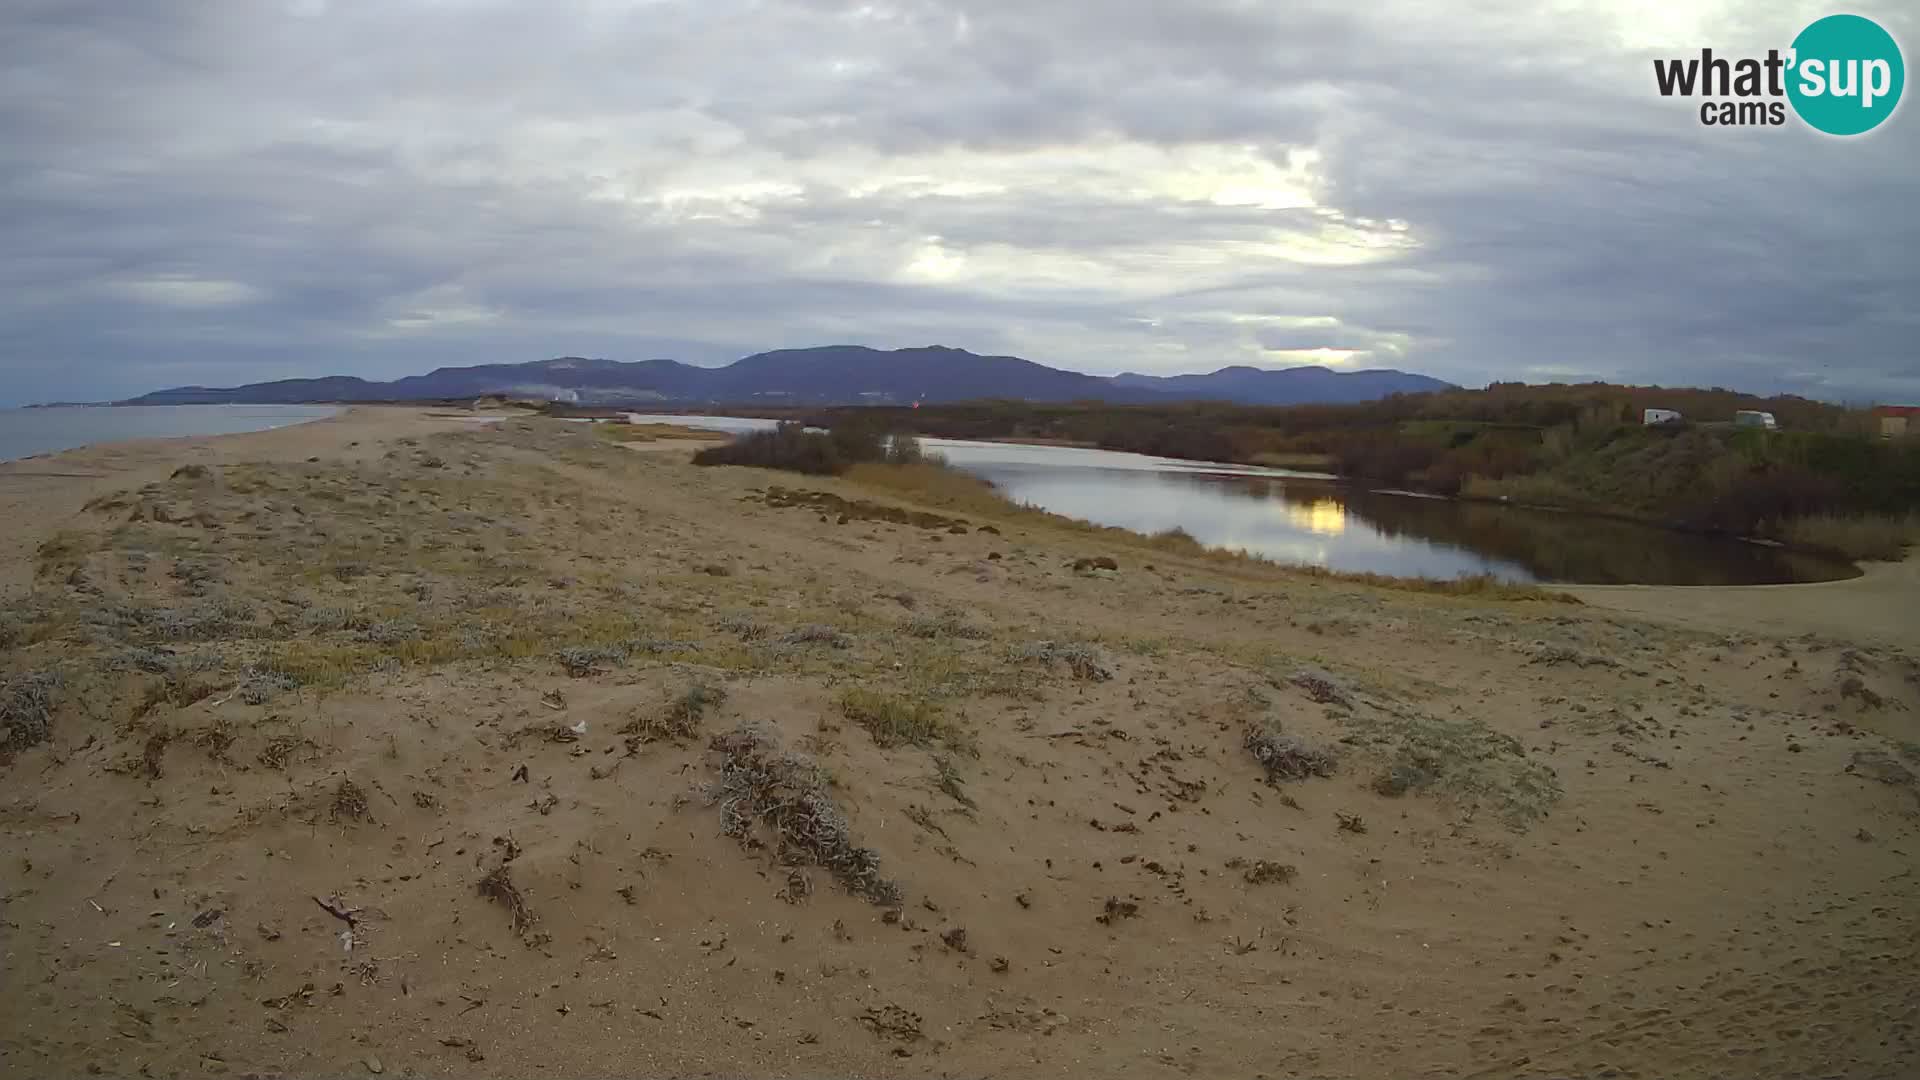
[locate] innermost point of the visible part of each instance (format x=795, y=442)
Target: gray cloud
x=241, y=189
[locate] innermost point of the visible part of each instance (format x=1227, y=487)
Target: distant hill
x=830, y=375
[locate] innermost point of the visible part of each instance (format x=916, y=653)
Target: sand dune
x=393, y=744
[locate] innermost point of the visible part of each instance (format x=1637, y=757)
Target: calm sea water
x=25, y=432
x=1319, y=521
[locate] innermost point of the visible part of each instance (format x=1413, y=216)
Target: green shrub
x=822, y=453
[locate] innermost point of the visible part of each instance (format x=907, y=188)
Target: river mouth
x=1313, y=519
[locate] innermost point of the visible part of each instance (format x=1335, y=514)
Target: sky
x=222, y=191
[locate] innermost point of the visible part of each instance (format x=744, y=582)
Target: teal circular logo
x=1846, y=75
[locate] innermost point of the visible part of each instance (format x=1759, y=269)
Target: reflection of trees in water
x=1559, y=547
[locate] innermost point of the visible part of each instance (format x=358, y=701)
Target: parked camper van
x=1754, y=418
x=1659, y=416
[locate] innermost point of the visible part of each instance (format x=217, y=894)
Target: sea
x=26, y=432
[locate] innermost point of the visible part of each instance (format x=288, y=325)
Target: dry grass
x=1287, y=757
x=1085, y=662
x=762, y=784
x=947, y=778
x=940, y=486
x=894, y=720
x=1478, y=586
x=65, y=550
x=946, y=625
x=581, y=642
x=627, y=433
x=26, y=710
x=498, y=886
x=1320, y=686
x=280, y=750
x=1264, y=871
x=349, y=801
x=1880, y=538
x=817, y=634
x=580, y=661
x=27, y=620
x=679, y=721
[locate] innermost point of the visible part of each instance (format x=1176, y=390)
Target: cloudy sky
x=220, y=191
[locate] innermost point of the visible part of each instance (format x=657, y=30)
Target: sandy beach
x=399, y=744
x=1882, y=605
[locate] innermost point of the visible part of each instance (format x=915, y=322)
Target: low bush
x=1288, y=757
x=821, y=453
x=26, y=710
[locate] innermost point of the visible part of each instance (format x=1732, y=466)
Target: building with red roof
x=1897, y=421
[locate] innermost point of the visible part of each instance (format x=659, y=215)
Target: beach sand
x=386, y=744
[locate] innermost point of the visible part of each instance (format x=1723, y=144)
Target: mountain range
x=830, y=375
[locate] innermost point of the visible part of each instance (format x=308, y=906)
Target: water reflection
x=1302, y=518
x=1322, y=515
x=1314, y=519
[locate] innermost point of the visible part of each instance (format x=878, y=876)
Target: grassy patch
x=1465, y=759
x=936, y=485
x=946, y=625
x=626, y=433
x=1155, y=647
x=320, y=664
x=845, y=510
x=1479, y=586
x=579, y=640
x=27, y=620
x=65, y=550
x=893, y=720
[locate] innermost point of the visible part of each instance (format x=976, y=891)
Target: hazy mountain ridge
x=837, y=374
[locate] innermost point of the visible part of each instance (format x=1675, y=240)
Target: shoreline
x=1878, y=605
x=336, y=410
x=1225, y=468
